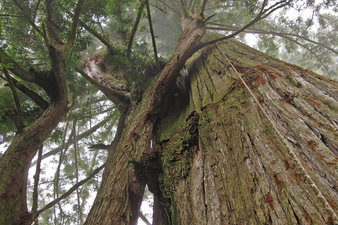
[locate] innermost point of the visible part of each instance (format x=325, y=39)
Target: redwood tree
x=255, y=143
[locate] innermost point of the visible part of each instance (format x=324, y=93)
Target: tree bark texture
x=217, y=159
x=15, y=162
x=237, y=170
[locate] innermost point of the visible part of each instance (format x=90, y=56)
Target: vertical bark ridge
x=254, y=178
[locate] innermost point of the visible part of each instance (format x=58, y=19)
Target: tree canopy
x=45, y=45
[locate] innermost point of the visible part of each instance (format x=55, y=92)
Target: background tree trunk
x=219, y=159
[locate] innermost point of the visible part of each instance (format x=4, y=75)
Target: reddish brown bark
x=121, y=192
x=219, y=160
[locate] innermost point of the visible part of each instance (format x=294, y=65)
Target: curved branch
x=261, y=15
x=30, y=93
x=120, y=98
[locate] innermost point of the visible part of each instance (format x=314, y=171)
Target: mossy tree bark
x=15, y=162
x=219, y=159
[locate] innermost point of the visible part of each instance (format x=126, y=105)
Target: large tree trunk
x=220, y=159
x=237, y=170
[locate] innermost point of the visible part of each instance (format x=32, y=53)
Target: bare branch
x=99, y=146
x=101, y=38
x=27, y=17
x=36, y=9
x=133, y=31
x=36, y=181
x=10, y=15
x=71, y=190
x=203, y=6
x=144, y=218
x=152, y=32
x=71, y=141
x=18, y=120
x=258, y=31
x=310, y=50
x=97, y=35
x=261, y=15
x=169, y=7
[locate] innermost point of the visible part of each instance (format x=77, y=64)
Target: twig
x=27, y=17
x=70, y=191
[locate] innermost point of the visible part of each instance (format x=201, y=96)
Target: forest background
x=143, y=36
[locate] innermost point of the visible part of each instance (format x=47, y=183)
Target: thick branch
x=16, y=68
x=99, y=146
x=30, y=93
x=47, y=82
x=72, y=36
x=122, y=99
x=50, y=26
x=133, y=31
x=193, y=31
